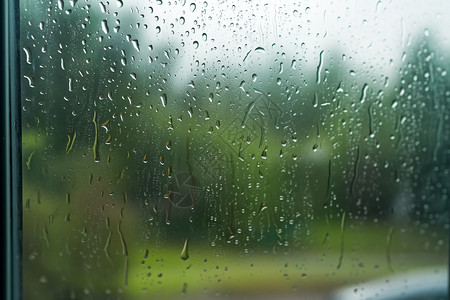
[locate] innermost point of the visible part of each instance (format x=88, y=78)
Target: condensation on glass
x=234, y=149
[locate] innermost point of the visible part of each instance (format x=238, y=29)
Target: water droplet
x=260, y=50
x=119, y=3
x=262, y=207
x=184, y=253
x=30, y=80
x=182, y=20
x=254, y=77
x=164, y=100
x=315, y=100
x=27, y=55
x=136, y=44
x=364, y=93
x=105, y=27
x=264, y=153
x=241, y=85
x=319, y=67
x=193, y=7
x=73, y=2
x=204, y=37
x=61, y=4
x=102, y=7
x=195, y=43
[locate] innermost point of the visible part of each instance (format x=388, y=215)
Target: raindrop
x=293, y=64
x=27, y=55
x=102, y=7
x=119, y=3
x=136, y=44
x=193, y=7
x=264, y=153
x=105, y=27
x=195, y=43
x=61, y=4
x=319, y=67
x=315, y=100
x=30, y=80
x=204, y=37
x=260, y=50
x=241, y=85
x=394, y=104
x=164, y=100
x=184, y=252
x=364, y=93
x=262, y=207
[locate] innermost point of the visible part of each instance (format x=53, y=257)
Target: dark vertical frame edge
x=16, y=148
x=5, y=232
x=11, y=152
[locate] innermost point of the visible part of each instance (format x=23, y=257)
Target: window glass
x=234, y=149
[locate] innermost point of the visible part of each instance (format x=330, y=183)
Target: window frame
x=11, y=151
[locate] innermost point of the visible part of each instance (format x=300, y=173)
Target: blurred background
x=234, y=149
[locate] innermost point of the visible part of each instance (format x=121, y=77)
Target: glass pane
x=235, y=149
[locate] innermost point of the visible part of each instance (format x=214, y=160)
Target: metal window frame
x=11, y=152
